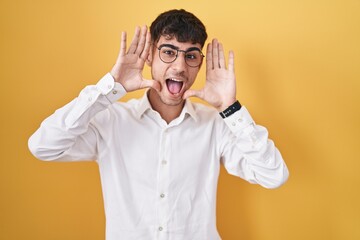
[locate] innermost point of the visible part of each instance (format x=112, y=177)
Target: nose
x=179, y=64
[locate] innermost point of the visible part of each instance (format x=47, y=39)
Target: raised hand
x=129, y=65
x=220, y=85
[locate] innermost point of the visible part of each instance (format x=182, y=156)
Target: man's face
x=175, y=77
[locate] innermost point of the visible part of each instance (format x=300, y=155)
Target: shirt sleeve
x=68, y=135
x=247, y=152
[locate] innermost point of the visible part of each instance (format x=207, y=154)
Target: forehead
x=176, y=43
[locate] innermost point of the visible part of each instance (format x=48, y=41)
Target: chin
x=171, y=100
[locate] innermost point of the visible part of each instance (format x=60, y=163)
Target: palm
x=129, y=70
x=129, y=65
x=220, y=86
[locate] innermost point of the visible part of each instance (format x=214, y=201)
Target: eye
x=169, y=51
x=192, y=55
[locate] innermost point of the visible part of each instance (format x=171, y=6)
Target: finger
x=146, y=83
x=215, y=52
x=209, y=61
x=193, y=93
x=123, y=44
x=231, y=61
x=221, y=56
x=142, y=40
x=134, y=41
x=145, y=53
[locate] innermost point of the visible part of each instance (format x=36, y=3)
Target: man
x=159, y=157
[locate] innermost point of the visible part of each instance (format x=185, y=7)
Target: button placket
x=163, y=181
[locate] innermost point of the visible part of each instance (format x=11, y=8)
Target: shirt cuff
x=112, y=90
x=239, y=120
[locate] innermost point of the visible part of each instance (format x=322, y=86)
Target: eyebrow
x=177, y=48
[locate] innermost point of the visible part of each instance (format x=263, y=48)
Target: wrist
x=114, y=75
x=226, y=104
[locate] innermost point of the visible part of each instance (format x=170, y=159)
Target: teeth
x=175, y=80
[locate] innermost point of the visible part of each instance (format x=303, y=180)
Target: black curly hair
x=182, y=25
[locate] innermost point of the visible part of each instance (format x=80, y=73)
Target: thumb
x=193, y=93
x=146, y=83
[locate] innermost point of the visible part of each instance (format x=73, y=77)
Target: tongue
x=174, y=87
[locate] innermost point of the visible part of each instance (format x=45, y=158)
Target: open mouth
x=174, y=86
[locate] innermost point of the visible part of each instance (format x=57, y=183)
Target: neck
x=166, y=111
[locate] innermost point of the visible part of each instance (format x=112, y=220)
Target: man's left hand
x=220, y=85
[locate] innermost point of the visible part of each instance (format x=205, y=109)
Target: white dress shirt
x=159, y=180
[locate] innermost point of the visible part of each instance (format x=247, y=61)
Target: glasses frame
x=177, y=53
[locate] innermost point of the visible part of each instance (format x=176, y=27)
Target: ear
x=150, y=57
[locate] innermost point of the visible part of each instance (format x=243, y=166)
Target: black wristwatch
x=236, y=106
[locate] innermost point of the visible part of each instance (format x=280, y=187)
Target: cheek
x=193, y=75
x=157, y=71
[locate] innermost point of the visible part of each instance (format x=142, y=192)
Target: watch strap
x=236, y=106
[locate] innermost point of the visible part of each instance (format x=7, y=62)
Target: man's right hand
x=129, y=65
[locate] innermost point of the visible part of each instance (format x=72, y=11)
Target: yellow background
x=298, y=72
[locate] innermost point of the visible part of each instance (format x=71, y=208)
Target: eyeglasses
x=168, y=53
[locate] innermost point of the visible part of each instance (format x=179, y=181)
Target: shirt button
x=114, y=92
x=90, y=99
x=240, y=119
x=160, y=229
x=233, y=123
x=163, y=162
x=162, y=195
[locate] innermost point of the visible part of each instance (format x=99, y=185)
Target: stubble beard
x=170, y=102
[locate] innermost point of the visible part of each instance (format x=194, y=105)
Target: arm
x=69, y=134
x=246, y=151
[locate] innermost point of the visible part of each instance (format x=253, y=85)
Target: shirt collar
x=144, y=105
x=190, y=110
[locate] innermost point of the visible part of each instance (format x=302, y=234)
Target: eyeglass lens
x=193, y=57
